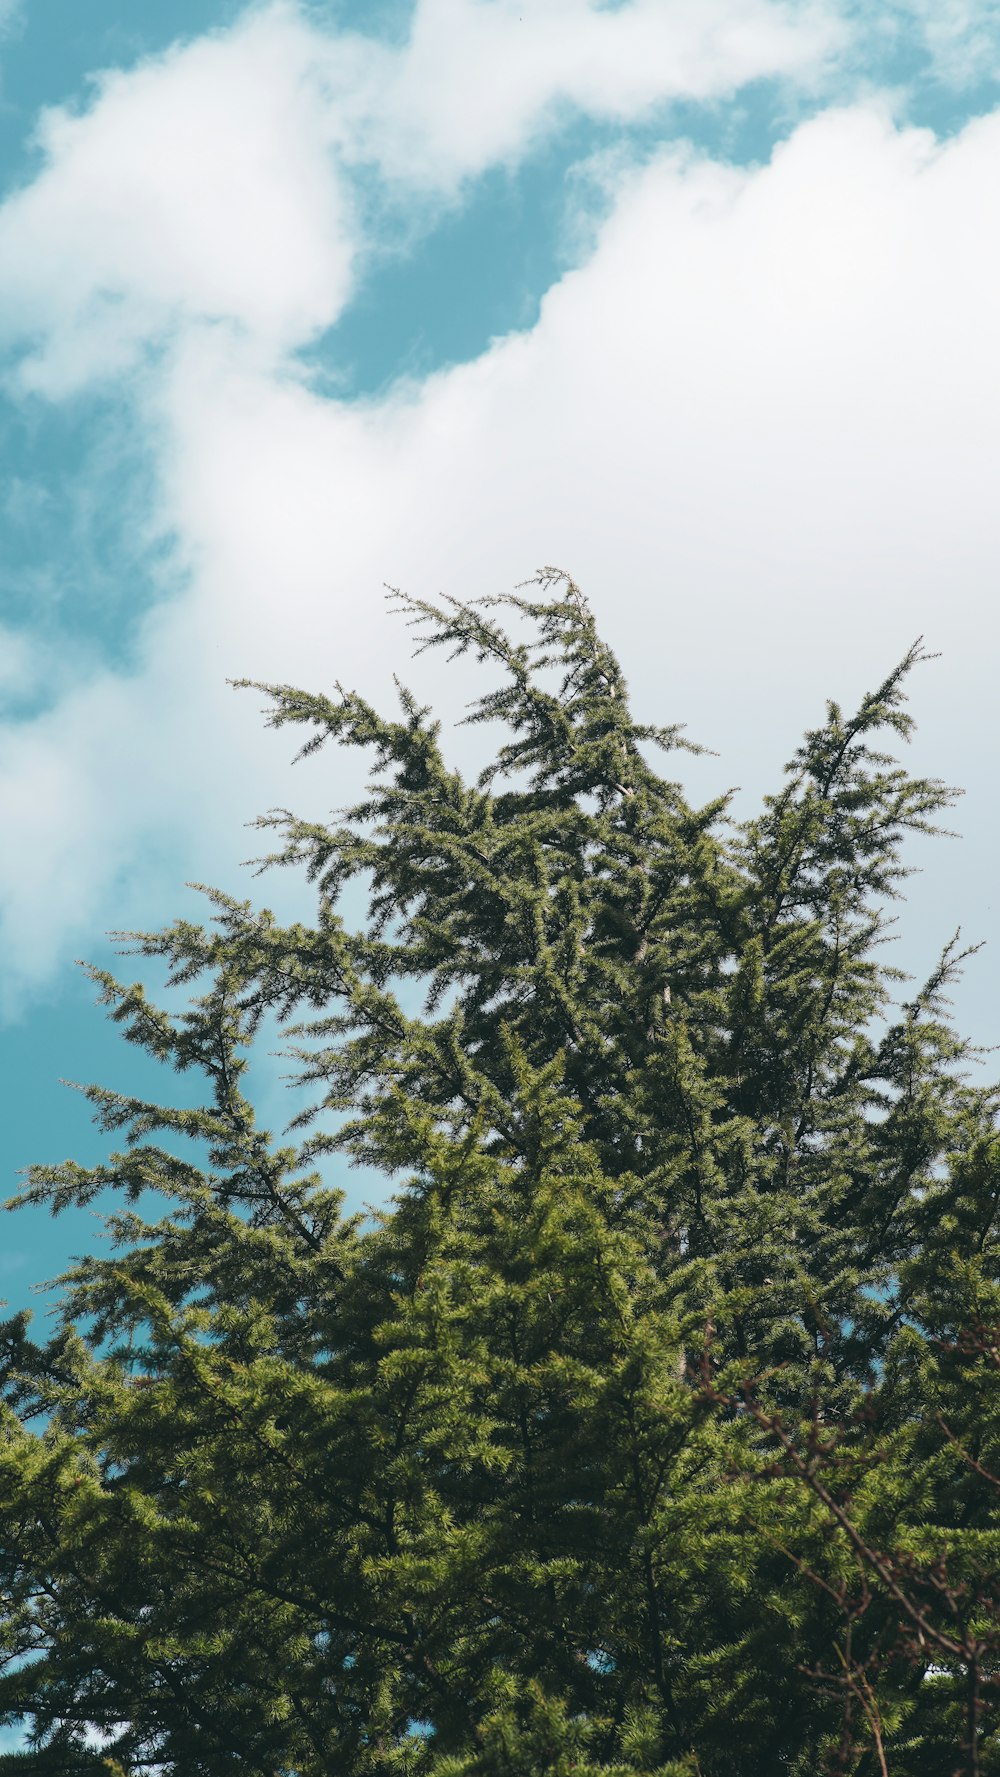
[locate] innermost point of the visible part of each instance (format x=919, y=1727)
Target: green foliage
x=655, y=1427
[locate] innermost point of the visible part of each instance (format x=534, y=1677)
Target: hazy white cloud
x=20, y=665
x=760, y=424
x=961, y=38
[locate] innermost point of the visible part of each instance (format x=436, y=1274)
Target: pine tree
x=653, y=1427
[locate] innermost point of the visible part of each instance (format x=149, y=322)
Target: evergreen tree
x=655, y=1426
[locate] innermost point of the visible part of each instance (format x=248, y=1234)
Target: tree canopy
x=654, y=1426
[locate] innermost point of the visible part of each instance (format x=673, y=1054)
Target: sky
x=695, y=298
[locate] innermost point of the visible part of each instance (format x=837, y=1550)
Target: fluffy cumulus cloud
x=214, y=184
x=198, y=188
x=759, y=421
x=477, y=82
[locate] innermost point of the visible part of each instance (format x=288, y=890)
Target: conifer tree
x=653, y=1426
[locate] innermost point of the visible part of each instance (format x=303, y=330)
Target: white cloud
x=759, y=423
x=209, y=184
x=774, y=386
x=20, y=665
x=479, y=78
x=196, y=187
x=961, y=38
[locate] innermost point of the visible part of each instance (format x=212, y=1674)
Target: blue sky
x=696, y=297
